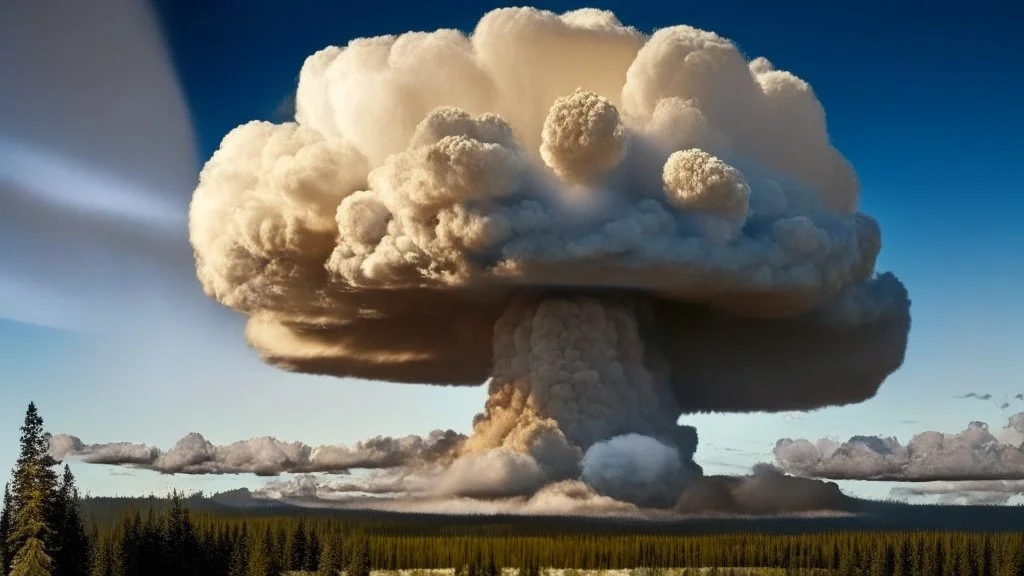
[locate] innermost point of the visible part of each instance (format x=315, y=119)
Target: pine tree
x=181, y=545
x=32, y=559
x=5, y=531
x=262, y=558
x=239, y=565
x=331, y=557
x=240, y=545
x=34, y=493
x=72, y=552
x=312, y=559
x=359, y=560
x=29, y=529
x=102, y=559
x=297, y=551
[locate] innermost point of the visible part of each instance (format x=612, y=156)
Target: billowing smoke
x=973, y=454
x=264, y=456
x=766, y=491
x=569, y=497
x=610, y=229
x=636, y=468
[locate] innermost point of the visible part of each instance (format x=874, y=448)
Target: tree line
x=42, y=533
x=41, y=528
x=149, y=543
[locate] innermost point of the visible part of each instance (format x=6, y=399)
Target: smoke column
x=610, y=229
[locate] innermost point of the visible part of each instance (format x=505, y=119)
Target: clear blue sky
x=924, y=99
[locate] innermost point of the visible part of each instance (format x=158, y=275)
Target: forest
x=46, y=529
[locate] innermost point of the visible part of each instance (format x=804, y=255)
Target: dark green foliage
x=5, y=531
x=263, y=560
x=249, y=543
x=312, y=559
x=359, y=563
x=72, y=552
x=297, y=547
x=332, y=556
x=32, y=559
x=33, y=502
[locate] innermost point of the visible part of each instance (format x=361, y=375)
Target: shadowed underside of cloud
x=973, y=454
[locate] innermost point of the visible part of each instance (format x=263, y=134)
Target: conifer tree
x=239, y=565
x=72, y=551
x=101, y=565
x=262, y=558
x=240, y=546
x=359, y=560
x=33, y=501
x=29, y=530
x=312, y=559
x=32, y=559
x=331, y=557
x=5, y=531
x=181, y=545
x=297, y=551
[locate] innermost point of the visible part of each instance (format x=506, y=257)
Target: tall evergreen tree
x=32, y=559
x=359, y=560
x=5, y=531
x=29, y=529
x=331, y=557
x=33, y=500
x=312, y=560
x=262, y=558
x=35, y=449
x=297, y=549
x=102, y=558
x=72, y=551
x=181, y=547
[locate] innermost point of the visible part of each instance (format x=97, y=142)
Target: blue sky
x=923, y=99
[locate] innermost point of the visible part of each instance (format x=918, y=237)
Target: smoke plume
x=973, y=454
x=611, y=229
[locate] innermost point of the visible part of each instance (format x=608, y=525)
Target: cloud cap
x=384, y=232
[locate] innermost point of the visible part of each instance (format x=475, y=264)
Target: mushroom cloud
x=608, y=228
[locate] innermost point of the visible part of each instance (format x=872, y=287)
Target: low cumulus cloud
x=963, y=492
x=263, y=456
x=973, y=454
